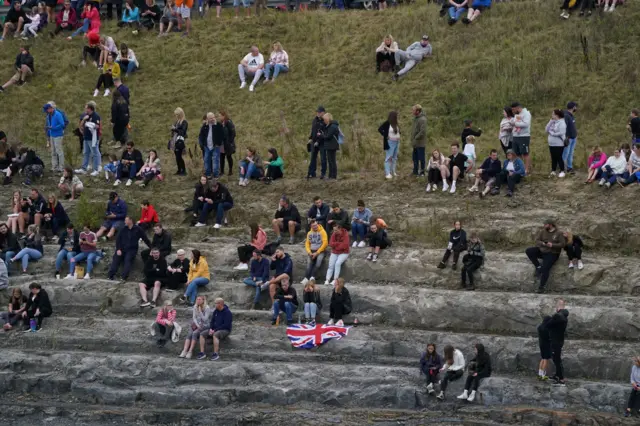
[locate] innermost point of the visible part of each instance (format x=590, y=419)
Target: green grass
x=518, y=51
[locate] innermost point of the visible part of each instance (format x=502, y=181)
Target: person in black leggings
x=482, y=362
x=472, y=261
x=457, y=244
x=229, y=145
x=178, y=138
x=556, y=130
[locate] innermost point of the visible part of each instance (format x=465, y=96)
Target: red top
x=94, y=20
x=339, y=242
x=162, y=318
x=149, y=215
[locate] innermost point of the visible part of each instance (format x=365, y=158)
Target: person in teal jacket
x=512, y=173
x=130, y=15
x=275, y=166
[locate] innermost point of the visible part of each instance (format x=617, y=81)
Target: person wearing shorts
x=184, y=9
x=14, y=20
x=245, y=4
x=522, y=134
x=24, y=67
x=155, y=276
x=114, y=216
x=545, y=348
x=220, y=326
x=476, y=9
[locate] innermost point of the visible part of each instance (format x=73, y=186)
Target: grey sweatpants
x=57, y=154
x=403, y=58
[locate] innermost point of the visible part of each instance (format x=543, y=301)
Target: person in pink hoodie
x=595, y=162
x=90, y=21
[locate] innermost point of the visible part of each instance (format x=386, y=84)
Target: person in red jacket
x=90, y=21
x=148, y=217
x=339, y=244
x=66, y=19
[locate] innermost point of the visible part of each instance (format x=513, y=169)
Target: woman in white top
x=437, y=170
x=151, y=169
x=506, y=129
x=386, y=52
x=278, y=62
x=127, y=60
x=70, y=185
x=390, y=131
x=613, y=168
x=453, y=368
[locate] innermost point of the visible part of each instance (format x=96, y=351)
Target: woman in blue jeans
x=198, y=277
x=32, y=248
x=251, y=167
x=278, y=62
x=360, y=224
x=390, y=132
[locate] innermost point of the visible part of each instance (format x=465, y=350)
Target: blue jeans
x=419, y=160
x=250, y=170
x=252, y=283
x=313, y=162
x=83, y=29
x=192, y=288
x=391, y=157
x=630, y=178
x=89, y=151
x=455, y=13
x=131, y=67
x=220, y=208
x=289, y=309
x=567, y=154
x=277, y=69
x=7, y=258
x=62, y=255
x=28, y=253
x=358, y=230
x=91, y=258
x=131, y=174
x=209, y=156
x=310, y=310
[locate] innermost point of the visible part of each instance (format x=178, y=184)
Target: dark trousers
x=59, y=29
x=381, y=57
x=510, y=180
x=105, y=80
x=587, y=4
x=573, y=252
x=435, y=176
x=219, y=208
x=332, y=163
x=313, y=163
x=556, y=356
x=449, y=376
x=176, y=281
x=274, y=172
x=229, y=158
x=556, y=158
x=91, y=52
x=182, y=168
x=548, y=259
x=118, y=4
x=470, y=265
x=245, y=252
x=127, y=257
x=565, y=5
x=163, y=332
x=32, y=314
x=609, y=176
x=633, y=399
x=336, y=311
x=120, y=132
x=432, y=377
x=129, y=171
x=419, y=160
x=456, y=253
x=473, y=381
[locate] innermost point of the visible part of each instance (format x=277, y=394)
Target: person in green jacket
x=419, y=139
x=275, y=166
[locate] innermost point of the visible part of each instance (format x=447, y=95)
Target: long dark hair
x=18, y=298
x=434, y=354
x=196, y=256
x=393, y=120
x=509, y=111
x=480, y=349
x=274, y=153
x=448, y=354
x=254, y=230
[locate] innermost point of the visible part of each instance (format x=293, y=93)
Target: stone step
x=593, y=359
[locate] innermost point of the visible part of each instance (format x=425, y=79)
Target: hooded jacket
x=119, y=208
x=221, y=320
x=343, y=298
x=9, y=242
x=419, y=131
x=40, y=301
x=483, y=361
x=280, y=296
x=283, y=266
x=316, y=241
x=316, y=127
x=557, y=131
x=149, y=215
x=490, y=167
x=557, y=327
x=570, y=121
x=543, y=332
x=55, y=124
x=341, y=218
x=433, y=362
x=331, y=134
x=458, y=239
x=417, y=51
x=339, y=242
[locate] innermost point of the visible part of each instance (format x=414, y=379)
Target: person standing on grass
x=522, y=134
x=228, y=148
x=253, y=66
x=315, y=145
x=557, y=327
x=634, y=126
x=55, y=125
x=278, y=62
x=119, y=118
x=549, y=245
x=412, y=56
x=635, y=386
x=571, y=136
x=14, y=20
x=24, y=66
x=419, y=140
x=90, y=125
x=178, y=140
x=331, y=135
x=211, y=140
x=184, y=15
x=556, y=130
x=390, y=132
x=506, y=129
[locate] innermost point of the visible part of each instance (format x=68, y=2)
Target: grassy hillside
x=519, y=51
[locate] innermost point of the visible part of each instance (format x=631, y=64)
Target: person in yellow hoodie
x=315, y=244
x=198, y=277
x=110, y=70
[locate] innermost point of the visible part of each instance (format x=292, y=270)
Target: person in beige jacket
x=386, y=52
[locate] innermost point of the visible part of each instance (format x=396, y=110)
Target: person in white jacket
x=386, y=52
x=127, y=60
x=556, y=130
x=453, y=368
x=613, y=168
x=522, y=134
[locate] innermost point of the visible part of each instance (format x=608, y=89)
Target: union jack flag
x=308, y=336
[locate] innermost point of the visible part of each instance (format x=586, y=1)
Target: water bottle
x=33, y=324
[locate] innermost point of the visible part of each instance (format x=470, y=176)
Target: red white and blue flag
x=308, y=336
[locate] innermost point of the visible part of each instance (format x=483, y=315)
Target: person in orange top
x=339, y=244
x=258, y=241
x=148, y=216
x=184, y=7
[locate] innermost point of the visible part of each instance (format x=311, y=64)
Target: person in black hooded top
x=557, y=326
x=38, y=306
x=457, y=244
x=545, y=348
x=482, y=370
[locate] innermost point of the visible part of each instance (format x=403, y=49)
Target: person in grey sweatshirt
x=635, y=383
x=522, y=134
x=410, y=57
x=556, y=130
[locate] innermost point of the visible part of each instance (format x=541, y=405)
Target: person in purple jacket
x=430, y=365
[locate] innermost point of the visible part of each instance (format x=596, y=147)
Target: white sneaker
x=561, y=175
x=240, y=182
x=217, y=226
x=242, y=267
x=552, y=174
x=326, y=282
x=79, y=171
x=117, y=182
x=445, y=187
x=580, y=265
x=472, y=396
x=129, y=182
x=68, y=277
x=440, y=396
x=355, y=244
x=395, y=174
x=330, y=322
x=94, y=173
x=473, y=189
x=107, y=92
x=96, y=93
x=304, y=281
x=389, y=176
x=312, y=279
x=200, y=225
x=602, y=181
x=182, y=354
x=570, y=265
x=243, y=85
x=251, y=88
x=428, y=188
x=435, y=188
x=453, y=188
x=464, y=395
x=87, y=277
x=430, y=387
x=340, y=323
x=189, y=355
x=362, y=244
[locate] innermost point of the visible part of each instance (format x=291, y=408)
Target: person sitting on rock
x=37, y=308
x=9, y=245
x=127, y=248
x=258, y=241
x=458, y=164
x=148, y=219
x=17, y=305
x=199, y=328
x=198, y=277
x=283, y=265
x=318, y=212
x=165, y=323
x=339, y=243
x=487, y=173
x=55, y=216
x=385, y=54
x=453, y=368
x=35, y=206
x=315, y=244
x=414, y=54
x=338, y=215
x=549, y=245
x=360, y=223
x=33, y=248
x=613, y=168
x=69, y=246
x=155, y=276
x=220, y=327
x=259, y=278
x=274, y=166
x=130, y=163
x=635, y=386
x=512, y=173
x=378, y=240
x=161, y=240
x=286, y=217
x=457, y=244
x=312, y=302
x=472, y=261
x=251, y=167
x=438, y=171
x=430, y=365
x=70, y=185
x=114, y=216
x=88, y=251
x=476, y=9
x=573, y=250
x=481, y=364
x=24, y=67
x=178, y=271
x=544, y=342
x=285, y=300
x=340, y=303
x=217, y=198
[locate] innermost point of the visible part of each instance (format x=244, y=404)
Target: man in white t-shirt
x=253, y=66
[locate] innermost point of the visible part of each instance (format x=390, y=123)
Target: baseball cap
x=46, y=107
x=320, y=109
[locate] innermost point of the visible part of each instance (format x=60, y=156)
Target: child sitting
x=574, y=250
x=148, y=216
x=112, y=167
x=31, y=28
x=151, y=169
x=470, y=152
x=312, y=302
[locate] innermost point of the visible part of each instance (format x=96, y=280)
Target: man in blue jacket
x=259, y=275
x=55, y=132
x=318, y=211
x=127, y=248
x=114, y=216
x=572, y=135
x=283, y=265
x=220, y=327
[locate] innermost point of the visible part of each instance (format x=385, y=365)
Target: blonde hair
x=277, y=45
x=179, y=112
x=210, y=115
x=328, y=116
x=219, y=300
x=471, y=139
x=339, y=285
x=33, y=229
x=310, y=284
x=55, y=199
x=202, y=307
x=389, y=37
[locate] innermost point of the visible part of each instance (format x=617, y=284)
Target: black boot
x=454, y=266
x=442, y=265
